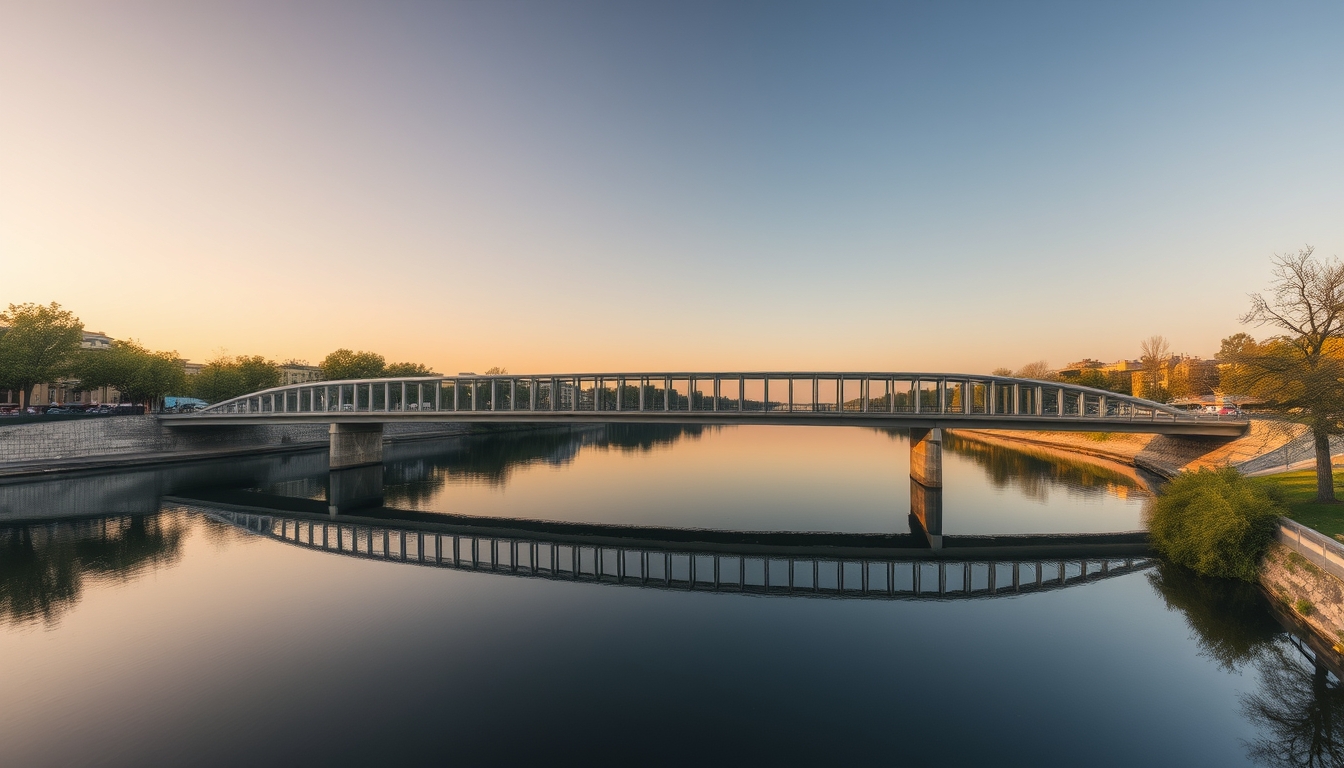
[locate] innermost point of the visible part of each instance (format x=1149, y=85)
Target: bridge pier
x=926, y=483
x=355, y=445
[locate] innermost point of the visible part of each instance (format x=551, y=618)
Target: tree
x=141, y=375
x=347, y=364
x=1299, y=373
x=1038, y=369
x=496, y=371
x=407, y=369
x=1091, y=377
x=257, y=373
x=1155, y=353
x=228, y=377
x=38, y=345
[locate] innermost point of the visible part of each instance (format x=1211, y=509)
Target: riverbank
x=1302, y=574
x=1164, y=455
x=1306, y=593
x=37, y=451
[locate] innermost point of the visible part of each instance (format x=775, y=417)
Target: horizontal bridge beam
x=1225, y=429
x=914, y=400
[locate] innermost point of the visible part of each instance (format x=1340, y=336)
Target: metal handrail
x=835, y=393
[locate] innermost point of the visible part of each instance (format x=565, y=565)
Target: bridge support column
x=355, y=445
x=926, y=483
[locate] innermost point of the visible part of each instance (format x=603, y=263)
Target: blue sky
x=604, y=186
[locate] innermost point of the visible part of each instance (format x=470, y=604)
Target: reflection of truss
x=681, y=565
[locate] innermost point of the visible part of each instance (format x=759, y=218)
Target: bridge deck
x=903, y=400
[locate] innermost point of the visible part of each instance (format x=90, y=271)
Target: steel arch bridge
x=910, y=400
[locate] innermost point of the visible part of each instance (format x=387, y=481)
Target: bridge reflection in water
x=790, y=567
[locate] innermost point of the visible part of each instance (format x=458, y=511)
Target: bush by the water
x=1215, y=522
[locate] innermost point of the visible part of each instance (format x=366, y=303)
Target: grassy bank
x=1298, y=491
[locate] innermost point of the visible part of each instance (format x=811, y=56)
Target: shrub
x=1303, y=606
x=1215, y=522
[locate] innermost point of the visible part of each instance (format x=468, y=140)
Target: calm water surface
x=137, y=632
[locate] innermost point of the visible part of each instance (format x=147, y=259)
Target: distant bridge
x=763, y=563
x=909, y=400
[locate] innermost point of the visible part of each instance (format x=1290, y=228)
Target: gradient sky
x=617, y=186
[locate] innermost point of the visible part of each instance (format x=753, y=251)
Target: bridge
x=924, y=403
x=763, y=563
x=907, y=400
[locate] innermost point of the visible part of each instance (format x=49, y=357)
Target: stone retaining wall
x=123, y=435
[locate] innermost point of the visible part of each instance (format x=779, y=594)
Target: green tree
x=218, y=379
x=1091, y=377
x=38, y=345
x=348, y=364
x=407, y=369
x=1299, y=373
x=228, y=377
x=139, y=374
x=257, y=373
x=1214, y=522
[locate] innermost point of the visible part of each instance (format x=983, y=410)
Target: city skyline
x=602, y=187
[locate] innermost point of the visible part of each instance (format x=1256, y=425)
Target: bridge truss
x=676, y=568
x=877, y=399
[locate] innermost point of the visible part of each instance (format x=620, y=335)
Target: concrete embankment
x=43, y=449
x=1303, y=576
x=1303, y=572
x=1268, y=442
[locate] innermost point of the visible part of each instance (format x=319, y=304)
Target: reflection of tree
x=1228, y=616
x=1300, y=710
x=43, y=567
x=493, y=458
x=1037, y=475
x=1297, y=707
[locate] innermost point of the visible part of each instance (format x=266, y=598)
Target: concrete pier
x=926, y=482
x=356, y=445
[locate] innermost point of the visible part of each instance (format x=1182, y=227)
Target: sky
x=583, y=186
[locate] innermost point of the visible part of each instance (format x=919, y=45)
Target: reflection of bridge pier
x=356, y=463
x=926, y=482
x=354, y=488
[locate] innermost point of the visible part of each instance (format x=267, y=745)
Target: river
x=139, y=630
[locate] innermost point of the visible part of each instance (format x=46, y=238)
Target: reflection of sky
x=773, y=478
x=254, y=652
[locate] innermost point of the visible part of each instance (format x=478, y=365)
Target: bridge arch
x=891, y=399
x=783, y=571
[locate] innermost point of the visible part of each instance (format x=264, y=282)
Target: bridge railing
x=867, y=394
x=845, y=577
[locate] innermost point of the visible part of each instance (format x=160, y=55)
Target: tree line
x=42, y=343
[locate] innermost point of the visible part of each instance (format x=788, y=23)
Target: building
x=1180, y=376
x=1113, y=376
x=96, y=340
x=299, y=372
